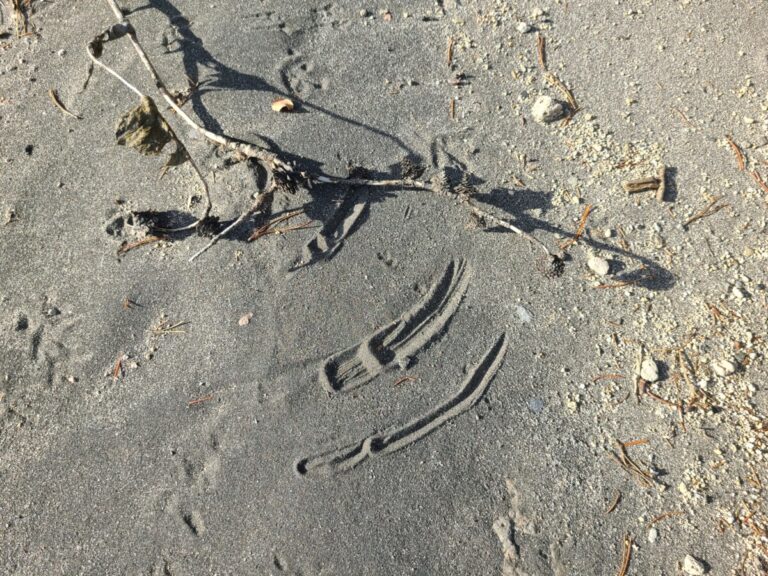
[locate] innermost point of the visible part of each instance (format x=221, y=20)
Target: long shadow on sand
x=517, y=204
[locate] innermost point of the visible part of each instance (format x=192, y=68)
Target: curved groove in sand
x=396, y=342
x=472, y=389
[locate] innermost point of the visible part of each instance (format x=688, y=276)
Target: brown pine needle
x=449, y=51
x=270, y=227
x=607, y=377
x=614, y=502
x=759, y=180
x=626, y=556
x=709, y=210
x=541, y=51
x=404, y=379
x=452, y=108
x=118, y=372
x=664, y=516
x=740, y=160
x=566, y=93
x=128, y=246
x=54, y=95
x=641, y=442
x=642, y=477
x=165, y=327
x=200, y=400
x=580, y=230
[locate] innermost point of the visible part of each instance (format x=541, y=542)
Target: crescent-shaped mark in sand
x=472, y=389
x=394, y=343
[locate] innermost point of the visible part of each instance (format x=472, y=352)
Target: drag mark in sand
x=472, y=389
x=394, y=343
x=330, y=238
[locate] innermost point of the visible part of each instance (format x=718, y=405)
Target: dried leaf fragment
x=283, y=105
x=143, y=128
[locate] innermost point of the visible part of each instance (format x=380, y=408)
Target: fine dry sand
x=393, y=388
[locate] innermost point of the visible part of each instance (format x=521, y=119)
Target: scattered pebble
x=723, y=367
x=653, y=535
x=599, y=266
x=693, y=567
x=649, y=370
x=546, y=109
x=524, y=27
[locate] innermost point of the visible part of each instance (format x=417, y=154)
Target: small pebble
x=599, y=266
x=649, y=370
x=653, y=535
x=693, y=567
x=524, y=27
x=724, y=368
x=546, y=109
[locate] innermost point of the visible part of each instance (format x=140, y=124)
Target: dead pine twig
x=404, y=379
x=614, y=503
x=449, y=52
x=759, y=180
x=541, y=51
x=269, y=227
x=643, y=478
x=282, y=176
x=128, y=246
x=712, y=208
x=737, y=152
x=165, y=327
x=118, y=372
x=579, y=231
x=200, y=400
x=664, y=516
x=54, y=96
x=626, y=556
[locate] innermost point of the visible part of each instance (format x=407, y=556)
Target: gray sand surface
x=274, y=431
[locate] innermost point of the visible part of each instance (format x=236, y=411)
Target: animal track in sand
x=395, y=343
x=472, y=389
x=330, y=238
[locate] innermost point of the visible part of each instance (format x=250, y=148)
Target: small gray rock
x=649, y=370
x=524, y=27
x=599, y=266
x=693, y=567
x=546, y=109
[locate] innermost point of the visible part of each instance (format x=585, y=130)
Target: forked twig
x=281, y=174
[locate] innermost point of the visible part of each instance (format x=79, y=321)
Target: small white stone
x=724, y=368
x=653, y=535
x=649, y=370
x=609, y=233
x=599, y=266
x=524, y=27
x=693, y=567
x=546, y=109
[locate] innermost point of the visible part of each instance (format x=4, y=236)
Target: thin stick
x=54, y=95
x=449, y=51
x=759, y=180
x=614, y=502
x=664, y=516
x=580, y=230
x=404, y=379
x=737, y=152
x=128, y=246
x=541, y=51
x=626, y=556
x=709, y=210
x=607, y=377
x=200, y=400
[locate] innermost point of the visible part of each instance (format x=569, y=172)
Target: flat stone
x=693, y=567
x=649, y=370
x=546, y=109
x=599, y=266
